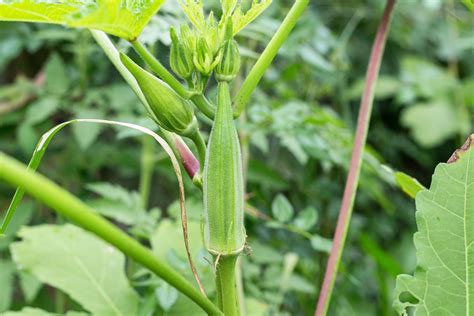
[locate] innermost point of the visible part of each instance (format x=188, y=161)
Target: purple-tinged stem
x=352, y=181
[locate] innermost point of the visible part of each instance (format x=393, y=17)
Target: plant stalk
x=267, y=56
x=198, y=141
x=352, y=181
x=160, y=70
x=65, y=204
x=226, y=288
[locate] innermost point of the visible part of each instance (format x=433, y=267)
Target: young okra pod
x=223, y=183
x=171, y=111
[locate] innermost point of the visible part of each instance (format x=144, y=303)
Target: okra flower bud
x=181, y=60
x=229, y=66
x=204, y=59
x=223, y=186
x=172, y=112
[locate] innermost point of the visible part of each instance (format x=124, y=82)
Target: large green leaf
x=80, y=264
x=443, y=283
x=123, y=18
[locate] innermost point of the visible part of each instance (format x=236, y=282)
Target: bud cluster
x=197, y=53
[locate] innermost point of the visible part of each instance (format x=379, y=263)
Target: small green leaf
x=321, y=244
x=409, y=185
x=26, y=136
x=41, y=110
x=86, y=268
x=166, y=295
x=86, y=135
x=442, y=283
x=306, y=218
x=57, y=80
x=282, y=209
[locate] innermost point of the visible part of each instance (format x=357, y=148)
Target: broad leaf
x=78, y=263
x=124, y=18
x=443, y=283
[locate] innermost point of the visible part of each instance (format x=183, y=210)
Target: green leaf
x=30, y=286
x=469, y=4
x=86, y=268
x=169, y=236
x=282, y=209
x=321, y=244
x=7, y=270
x=41, y=110
x=86, y=135
x=306, y=218
x=443, y=282
x=26, y=136
x=125, y=18
x=57, y=80
x=117, y=203
x=408, y=184
x=431, y=123
x=167, y=296
x=241, y=19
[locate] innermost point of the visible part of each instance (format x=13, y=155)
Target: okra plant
x=205, y=57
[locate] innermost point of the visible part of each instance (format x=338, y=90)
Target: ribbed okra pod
x=223, y=182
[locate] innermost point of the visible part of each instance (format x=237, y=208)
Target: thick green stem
x=197, y=139
x=267, y=56
x=203, y=105
x=227, y=298
x=69, y=206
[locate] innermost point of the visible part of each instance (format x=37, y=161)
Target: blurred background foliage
x=296, y=136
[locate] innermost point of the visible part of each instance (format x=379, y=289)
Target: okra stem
x=160, y=70
x=64, y=203
x=227, y=298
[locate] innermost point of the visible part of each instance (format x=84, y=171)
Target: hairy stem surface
x=352, y=181
x=226, y=287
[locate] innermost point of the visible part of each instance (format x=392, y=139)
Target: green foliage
x=121, y=18
x=282, y=209
x=86, y=268
x=442, y=281
x=409, y=185
x=296, y=139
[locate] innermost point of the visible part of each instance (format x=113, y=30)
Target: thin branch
x=267, y=56
x=356, y=161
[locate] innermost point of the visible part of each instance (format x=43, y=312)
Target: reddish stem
x=352, y=181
